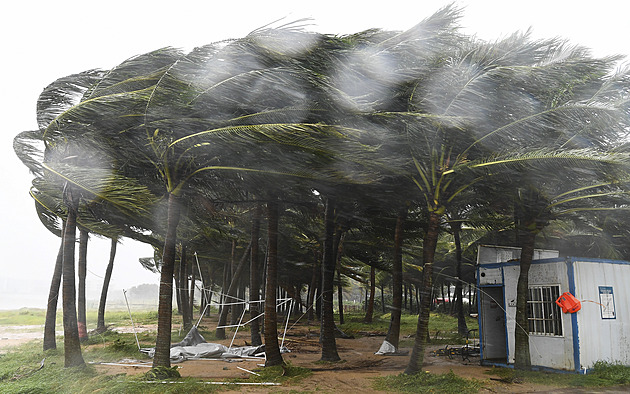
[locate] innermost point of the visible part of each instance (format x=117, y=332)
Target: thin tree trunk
x=422, y=329
x=236, y=312
x=370, y=304
x=191, y=296
x=393, y=334
x=405, y=295
x=231, y=292
x=417, y=300
x=100, y=325
x=329, y=345
x=181, y=278
x=177, y=273
x=272, y=348
x=382, y=297
x=338, y=248
x=72, y=345
x=53, y=295
x=310, y=298
x=227, y=275
x=340, y=297
x=462, y=328
x=81, y=307
x=163, y=340
x=522, y=359
x=183, y=281
x=254, y=280
x=318, y=288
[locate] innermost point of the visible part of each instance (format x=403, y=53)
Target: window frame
x=544, y=316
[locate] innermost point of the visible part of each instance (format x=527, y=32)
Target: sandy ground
x=354, y=374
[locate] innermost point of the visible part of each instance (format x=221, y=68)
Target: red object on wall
x=568, y=303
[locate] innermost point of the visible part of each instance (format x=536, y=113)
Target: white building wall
x=490, y=254
x=603, y=339
x=547, y=351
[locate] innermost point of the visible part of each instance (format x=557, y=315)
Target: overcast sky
x=45, y=40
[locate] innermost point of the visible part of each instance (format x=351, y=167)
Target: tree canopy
x=172, y=147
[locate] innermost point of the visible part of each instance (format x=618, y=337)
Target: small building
x=599, y=331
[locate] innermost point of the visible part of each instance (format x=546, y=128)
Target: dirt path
x=354, y=373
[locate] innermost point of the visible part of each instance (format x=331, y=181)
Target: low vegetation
x=425, y=382
x=28, y=369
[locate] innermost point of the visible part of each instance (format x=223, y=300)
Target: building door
x=492, y=320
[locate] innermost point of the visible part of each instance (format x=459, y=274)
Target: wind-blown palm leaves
x=494, y=109
x=426, y=118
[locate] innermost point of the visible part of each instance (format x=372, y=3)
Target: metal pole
x=132, y=324
x=237, y=327
x=287, y=323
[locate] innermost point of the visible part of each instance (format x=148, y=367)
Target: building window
x=543, y=315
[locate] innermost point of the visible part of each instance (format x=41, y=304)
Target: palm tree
x=82, y=268
x=541, y=70
x=51, y=306
x=72, y=347
x=100, y=321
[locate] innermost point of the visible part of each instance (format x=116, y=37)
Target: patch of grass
x=280, y=374
x=22, y=317
x=162, y=373
x=20, y=373
x=609, y=373
x=442, y=327
x=34, y=316
x=602, y=374
x=425, y=382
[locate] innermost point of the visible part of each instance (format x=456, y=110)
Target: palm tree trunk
x=310, y=296
x=329, y=345
x=100, y=324
x=236, y=312
x=227, y=275
x=254, y=280
x=522, y=359
x=340, y=297
x=422, y=329
x=370, y=304
x=183, y=295
x=72, y=345
x=338, y=248
x=272, y=348
x=393, y=334
x=163, y=340
x=83, y=243
x=191, y=294
x=462, y=328
x=383, y=296
x=53, y=295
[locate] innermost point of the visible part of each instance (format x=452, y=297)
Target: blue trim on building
x=574, y=322
x=593, y=260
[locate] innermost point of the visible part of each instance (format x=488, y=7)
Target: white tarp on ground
x=195, y=346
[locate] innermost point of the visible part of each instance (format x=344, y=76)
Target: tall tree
x=100, y=321
x=72, y=346
x=163, y=339
x=51, y=306
x=327, y=337
x=254, y=280
x=81, y=301
x=272, y=348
